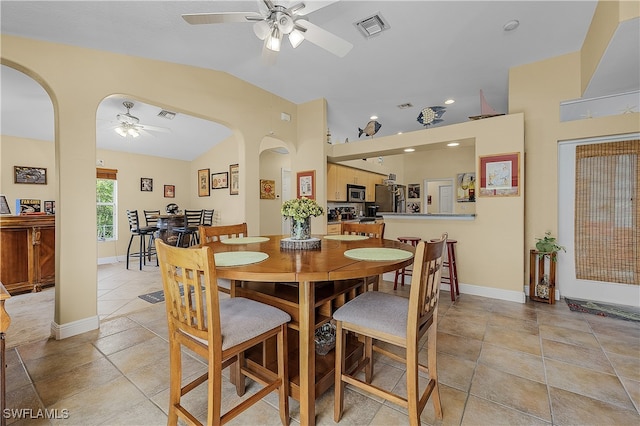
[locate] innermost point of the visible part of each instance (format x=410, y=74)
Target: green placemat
x=236, y=258
x=378, y=254
x=245, y=240
x=346, y=237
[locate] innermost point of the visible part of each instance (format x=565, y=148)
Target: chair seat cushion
x=375, y=310
x=243, y=319
x=224, y=283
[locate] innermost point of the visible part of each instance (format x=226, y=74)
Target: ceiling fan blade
x=221, y=18
x=154, y=128
x=323, y=38
x=312, y=6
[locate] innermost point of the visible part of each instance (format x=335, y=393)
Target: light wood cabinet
x=334, y=229
x=338, y=177
x=27, y=258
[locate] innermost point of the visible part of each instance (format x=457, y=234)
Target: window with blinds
x=106, y=204
x=606, y=203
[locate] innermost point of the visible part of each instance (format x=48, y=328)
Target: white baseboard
x=74, y=328
x=493, y=293
x=106, y=260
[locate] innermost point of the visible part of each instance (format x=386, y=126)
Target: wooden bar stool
x=404, y=271
x=450, y=264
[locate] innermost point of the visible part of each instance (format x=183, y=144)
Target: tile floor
x=498, y=363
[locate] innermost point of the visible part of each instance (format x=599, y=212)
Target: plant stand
x=541, y=266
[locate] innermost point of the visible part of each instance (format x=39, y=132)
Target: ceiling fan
x=272, y=24
x=129, y=125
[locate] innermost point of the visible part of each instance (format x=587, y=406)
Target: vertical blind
x=606, y=222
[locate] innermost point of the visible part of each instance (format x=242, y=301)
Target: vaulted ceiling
x=433, y=51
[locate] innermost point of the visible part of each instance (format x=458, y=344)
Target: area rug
x=155, y=297
x=627, y=313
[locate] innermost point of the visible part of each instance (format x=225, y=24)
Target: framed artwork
x=414, y=190
x=465, y=187
x=307, y=184
x=203, y=183
x=500, y=175
x=50, y=207
x=220, y=180
x=267, y=189
x=24, y=174
x=413, y=207
x=4, y=206
x=234, y=177
x=146, y=184
x=169, y=191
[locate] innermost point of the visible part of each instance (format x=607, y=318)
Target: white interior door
x=286, y=195
x=446, y=198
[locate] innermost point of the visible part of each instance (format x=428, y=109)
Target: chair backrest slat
x=192, y=218
x=207, y=217
x=211, y=234
x=425, y=286
x=151, y=217
x=373, y=230
x=191, y=305
x=132, y=217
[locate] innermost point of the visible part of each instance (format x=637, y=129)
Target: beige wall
x=26, y=152
x=271, y=165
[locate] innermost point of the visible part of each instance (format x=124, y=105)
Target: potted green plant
x=548, y=245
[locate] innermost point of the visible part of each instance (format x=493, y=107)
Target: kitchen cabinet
x=27, y=258
x=334, y=229
x=338, y=177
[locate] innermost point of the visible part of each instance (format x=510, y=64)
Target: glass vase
x=301, y=229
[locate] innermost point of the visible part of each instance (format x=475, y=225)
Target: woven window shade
x=106, y=173
x=607, y=189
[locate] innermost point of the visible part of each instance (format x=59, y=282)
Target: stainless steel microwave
x=356, y=193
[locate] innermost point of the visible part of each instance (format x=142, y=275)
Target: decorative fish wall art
x=370, y=129
x=431, y=115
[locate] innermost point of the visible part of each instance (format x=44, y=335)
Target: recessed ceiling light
x=399, y=133
x=511, y=25
x=373, y=117
x=449, y=101
x=453, y=144
x=409, y=149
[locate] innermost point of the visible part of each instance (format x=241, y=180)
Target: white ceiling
x=435, y=50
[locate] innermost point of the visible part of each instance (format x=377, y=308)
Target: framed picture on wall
x=234, y=178
x=169, y=191
x=4, y=206
x=414, y=190
x=203, y=183
x=50, y=207
x=267, y=189
x=220, y=180
x=35, y=175
x=146, y=184
x=307, y=184
x=500, y=175
x=465, y=187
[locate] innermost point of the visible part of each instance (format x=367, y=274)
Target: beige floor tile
x=59, y=363
x=626, y=366
x=517, y=340
x=633, y=389
x=462, y=327
x=511, y=323
x=622, y=346
x=461, y=347
x=613, y=327
x=593, y=358
x=21, y=403
x=462, y=313
x=145, y=413
x=455, y=372
x=453, y=406
x=517, y=363
x=514, y=310
x=567, y=335
x=15, y=374
x=81, y=379
x=388, y=416
x=124, y=339
x=148, y=352
x=573, y=409
x=154, y=377
x=558, y=320
x=514, y=392
x=605, y=387
x=484, y=412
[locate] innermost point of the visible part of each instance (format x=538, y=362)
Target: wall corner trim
x=62, y=331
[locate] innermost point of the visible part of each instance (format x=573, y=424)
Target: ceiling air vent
x=372, y=25
x=167, y=114
x=406, y=106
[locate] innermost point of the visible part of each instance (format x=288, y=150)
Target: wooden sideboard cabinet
x=27, y=252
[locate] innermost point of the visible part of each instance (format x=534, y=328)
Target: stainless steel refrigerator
x=391, y=199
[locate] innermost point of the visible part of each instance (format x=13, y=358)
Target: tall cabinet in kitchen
x=338, y=177
x=27, y=258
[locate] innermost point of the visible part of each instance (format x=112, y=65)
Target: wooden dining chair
x=371, y=230
x=211, y=234
x=399, y=322
x=219, y=330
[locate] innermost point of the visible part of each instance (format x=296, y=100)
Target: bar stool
x=450, y=264
x=142, y=232
x=404, y=271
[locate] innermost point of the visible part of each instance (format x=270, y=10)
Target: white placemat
x=236, y=258
x=244, y=240
x=346, y=237
x=378, y=254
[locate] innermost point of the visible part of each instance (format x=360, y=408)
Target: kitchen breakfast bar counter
x=427, y=216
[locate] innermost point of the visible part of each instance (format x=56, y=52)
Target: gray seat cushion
x=243, y=319
x=379, y=311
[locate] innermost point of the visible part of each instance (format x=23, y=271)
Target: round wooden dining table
x=307, y=284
